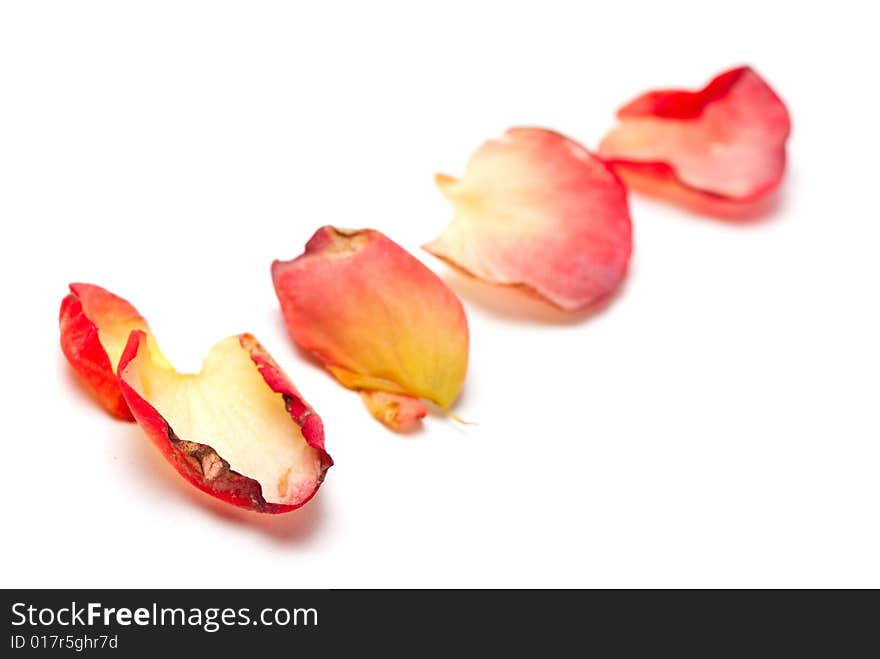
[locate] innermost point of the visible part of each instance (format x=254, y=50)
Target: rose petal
x=237, y=430
x=377, y=318
x=536, y=209
x=95, y=325
x=715, y=148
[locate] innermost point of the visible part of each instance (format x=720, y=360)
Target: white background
x=717, y=425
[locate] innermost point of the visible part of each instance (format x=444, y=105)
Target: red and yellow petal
x=378, y=319
x=535, y=209
x=95, y=326
x=717, y=148
x=239, y=430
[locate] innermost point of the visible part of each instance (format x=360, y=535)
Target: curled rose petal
x=537, y=210
x=237, y=430
x=378, y=319
x=95, y=325
x=718, y=149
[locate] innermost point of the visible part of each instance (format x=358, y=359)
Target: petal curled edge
x=238, y=430
x=377, y=318
x=717, y=149
x=95, y=326
x=537, y=210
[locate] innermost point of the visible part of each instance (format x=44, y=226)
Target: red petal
x=716, y=148
x=266, y=449
x=536, y=209
x=293, y=472
x=378, y=319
